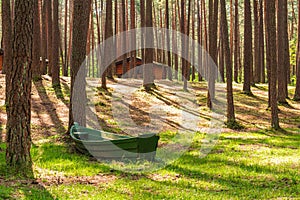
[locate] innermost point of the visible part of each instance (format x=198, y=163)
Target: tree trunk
x=55, y=45
x=272, y=59
x=6, y=36
x=133, y=38
x=143, y=24
x=81, y=15
x=36, y=64
x=18, y=131
x=247, y=48
x=257, y=54
x=225, y=39
x=236, y=42
x=283, y=54
x=44, y=39
x=170, y=73
x=124, y=42
x=213, y=50
x=297, y=91
x=174, y=43
x=108, y=46
x=50, y=42
x=66, y=68
x=261, y=43
x=148, y=70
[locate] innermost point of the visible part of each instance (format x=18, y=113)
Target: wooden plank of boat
x=105, y=145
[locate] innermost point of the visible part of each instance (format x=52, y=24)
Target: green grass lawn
x=259, y=165
x=255, y=163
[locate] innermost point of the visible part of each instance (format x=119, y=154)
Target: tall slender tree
x=148, y=70
x=297, y=90
x=236, y=41
x=213, y=50
x=247, y=48
x=50, y=43
x=272, y=59
x=170, y=75
x=109, y=44
x=36, y=64
x=44, y=38
x=225, y=39
x=18, y=133
x=283, y=57
x=257, y=54
x=261, y=41
x=55, y=45
x=81, y=15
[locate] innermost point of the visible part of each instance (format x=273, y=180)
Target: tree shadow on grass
x=50, y=108
x=246, y=177
x=60, y=95
x=13, y=186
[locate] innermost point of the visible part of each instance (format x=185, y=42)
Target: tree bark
x=170, y=73
x=283, y=55
x=257, y=54
x=297, y=90
x=272, y=60
x=55, y=45
x=18, y=131
x=50, y=42
x=247, y=48
x=44, y=39
x=6, y=35
x=225, y=39
x=108, y=46
x=80, y=30
x=236, y=42
x=213, y=50
x=148, y=70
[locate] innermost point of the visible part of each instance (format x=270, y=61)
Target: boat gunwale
x=122, y=137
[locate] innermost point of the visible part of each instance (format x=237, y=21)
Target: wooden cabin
x=158, y=68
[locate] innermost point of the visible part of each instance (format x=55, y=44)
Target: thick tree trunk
x=272, y=59
x=148, y=70
x=18, y=131
x=6, y=35
x=80, y=30
x=283, y=57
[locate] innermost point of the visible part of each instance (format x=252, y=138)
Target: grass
x=257, y=165
x=253, y=163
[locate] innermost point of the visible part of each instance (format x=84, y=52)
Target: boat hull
x=108, y=146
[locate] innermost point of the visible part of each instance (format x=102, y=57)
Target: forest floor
x=252, y=163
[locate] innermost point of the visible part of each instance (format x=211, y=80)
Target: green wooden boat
x=109, y=146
